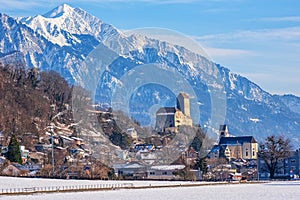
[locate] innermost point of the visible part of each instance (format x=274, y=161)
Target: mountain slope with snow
x=63, y=38
x=291, y=101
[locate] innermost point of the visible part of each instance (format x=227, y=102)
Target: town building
x=164, y=172
x=132, y=133
x=244, y=147
x=15, y=169
x=24, y=154
x=189, y=156
x=132, y=170
x=292, y=164
x=288, y=168
x=170, y=118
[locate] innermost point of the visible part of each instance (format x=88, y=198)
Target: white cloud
x=258, y=76
x=269, y=57
x=284, y=34
x=26, y=4
x=25, y=8
x=161, y=1
x=222, y=52
x=19, y=4
x=281, y=19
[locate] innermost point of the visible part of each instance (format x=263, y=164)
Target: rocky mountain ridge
x=62, y=40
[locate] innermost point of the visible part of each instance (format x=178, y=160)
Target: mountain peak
x=59, y=11
x=63, y=24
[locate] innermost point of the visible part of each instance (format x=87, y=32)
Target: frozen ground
x=274, y=190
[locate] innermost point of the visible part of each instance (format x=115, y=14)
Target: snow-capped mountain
x=63, y=38
x=64, y=25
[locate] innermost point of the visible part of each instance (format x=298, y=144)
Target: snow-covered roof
x=76, y=138
x=2, y=159
x=60, y=148
x=128, y=166
x=66, y=138
x=167, y=167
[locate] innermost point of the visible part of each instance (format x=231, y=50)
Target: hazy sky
x=259, y=39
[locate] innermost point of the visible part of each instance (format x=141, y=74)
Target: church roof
x=236, y=140
x=215, y=149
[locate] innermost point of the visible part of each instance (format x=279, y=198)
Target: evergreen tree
x=199, y=137
x=14, y=154
x=120, y=139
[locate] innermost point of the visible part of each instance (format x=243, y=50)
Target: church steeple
x=223, y=131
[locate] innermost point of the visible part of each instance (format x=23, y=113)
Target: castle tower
x=183, y=104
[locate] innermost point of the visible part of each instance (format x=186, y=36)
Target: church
x=170, y=118
x=232, y=148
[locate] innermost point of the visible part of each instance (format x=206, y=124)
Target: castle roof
x=166, y=110
x=183, y=94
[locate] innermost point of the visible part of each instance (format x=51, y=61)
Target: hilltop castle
x=170, y=118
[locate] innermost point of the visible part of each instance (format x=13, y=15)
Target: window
x=152, y=173
x=293, y=160
x=165, y=173
x=247, y=154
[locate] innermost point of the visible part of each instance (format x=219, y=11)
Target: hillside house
x=131, y=170
x=24, y=154
x=66, y=141
x=190, y=156
x=15, y=169
x=132, y=133
x=77, y=140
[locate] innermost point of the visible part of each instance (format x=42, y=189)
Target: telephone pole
x=52, y=150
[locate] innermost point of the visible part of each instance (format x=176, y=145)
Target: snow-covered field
x=12, y=182
x=273, y=190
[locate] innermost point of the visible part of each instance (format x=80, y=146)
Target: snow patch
x=232, y=78
x=244, y=108
x=255, y=120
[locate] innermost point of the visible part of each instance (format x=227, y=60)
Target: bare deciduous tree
x=274, y=150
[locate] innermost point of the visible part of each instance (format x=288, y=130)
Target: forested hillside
x=28, y=101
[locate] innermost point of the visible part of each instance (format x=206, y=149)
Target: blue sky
x=259, y=39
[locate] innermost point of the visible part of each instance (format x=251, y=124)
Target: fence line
x=67, y=188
